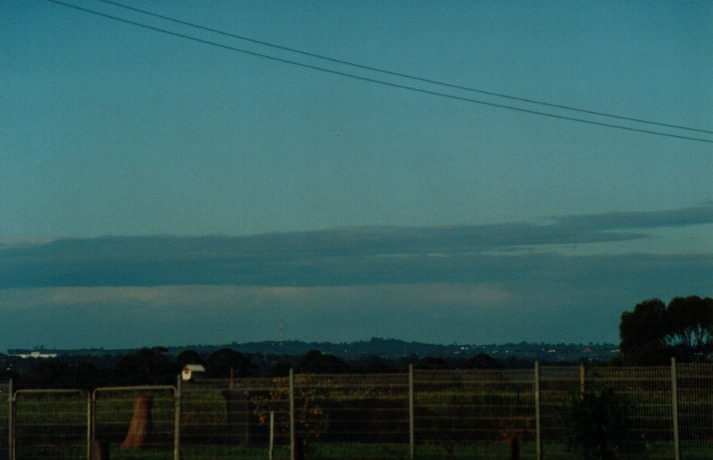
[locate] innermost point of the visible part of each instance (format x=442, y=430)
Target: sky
x=177, y=173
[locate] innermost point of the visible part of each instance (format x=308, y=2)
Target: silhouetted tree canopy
x=148, y=366
x=431, y=363
x=653, y=332
x=481, y=361
x=642, y=333
x=189, y=357
x=689, y=323
x=315, y=361
x=373, y=364
x=220, y=362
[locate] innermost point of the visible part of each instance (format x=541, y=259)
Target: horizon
x=292, y=341
x=471, y=172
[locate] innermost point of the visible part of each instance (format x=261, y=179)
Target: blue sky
x=156, y=189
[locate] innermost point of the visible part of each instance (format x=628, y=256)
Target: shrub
x=599, y=425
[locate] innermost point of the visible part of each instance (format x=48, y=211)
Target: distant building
x=191, y=371
x=36, y=355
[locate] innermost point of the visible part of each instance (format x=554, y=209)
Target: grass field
x=327, y=451
x=457, y=415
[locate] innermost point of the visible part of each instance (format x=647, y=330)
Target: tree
x=600, y=427
x=311, y=420
x=148, y=366
x=220, y=362
x=481, y=361
x=642, y=333
x=189, y=357
x=689, y=324
x=432, y=363
x=314, y=361
x=654, y=332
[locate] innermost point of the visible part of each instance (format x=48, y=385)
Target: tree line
x=654, y=332
x=155, y=366
x=651, y=334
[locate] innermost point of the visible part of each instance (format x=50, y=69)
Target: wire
x=376, y=81
x=402, y=75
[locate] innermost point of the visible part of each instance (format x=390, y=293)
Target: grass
x=345, y=451
x=367, y=419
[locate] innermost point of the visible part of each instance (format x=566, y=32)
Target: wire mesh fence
x=134, y=419
x=352, y=416
x=50, y=424
x=695, y=411
x=438, y=414
x=231, y=419
x=461, y=413
x=5, y=396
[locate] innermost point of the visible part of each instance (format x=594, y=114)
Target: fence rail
x=423, y=413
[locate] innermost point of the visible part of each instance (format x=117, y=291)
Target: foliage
x=599, y=425
x=642, y=332
x=220, y=362
x=148, y=366
x=431, y=363
x=317, y=362
x=189, y=357
x=654, y=332
x=311, y=420
x=481, y=361
x=689, y=323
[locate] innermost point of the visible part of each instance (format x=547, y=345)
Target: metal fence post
x=411, y=415
x=10, y=422
x=582, y=377
x=538, y=431
x=674, y=409
x=292, y=415
x=177, y=420
x=271, y=446
x=90, y=423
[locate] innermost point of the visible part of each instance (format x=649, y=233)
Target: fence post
x=582, y=377
x=271, y=445
x=177, y=420
x=292, y=415
x=538, y=432
x=674, y=409
x=90, y=423
x=411, y=415
x=10, y=422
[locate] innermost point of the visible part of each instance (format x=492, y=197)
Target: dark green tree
x=642, y=334
x=220, y=362
x=654, y=332
x=481, y=361
x=189, y=357
x=316, y=362
x=148, y=366
x=600, y=427
x=689, y=323
x=432, y=363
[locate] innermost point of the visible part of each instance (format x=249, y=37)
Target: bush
x=599, y=425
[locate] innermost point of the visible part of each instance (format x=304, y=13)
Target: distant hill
x=388, y=349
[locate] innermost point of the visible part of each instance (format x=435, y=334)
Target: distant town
x=383, y=348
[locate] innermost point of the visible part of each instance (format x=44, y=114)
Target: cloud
x=469, y=284
x=337, y=257
x=418, y=295
x=630, y=220
x=481, y=299
x=183, y=315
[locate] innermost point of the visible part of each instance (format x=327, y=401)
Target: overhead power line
x=402, y=75
x=387, y=83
